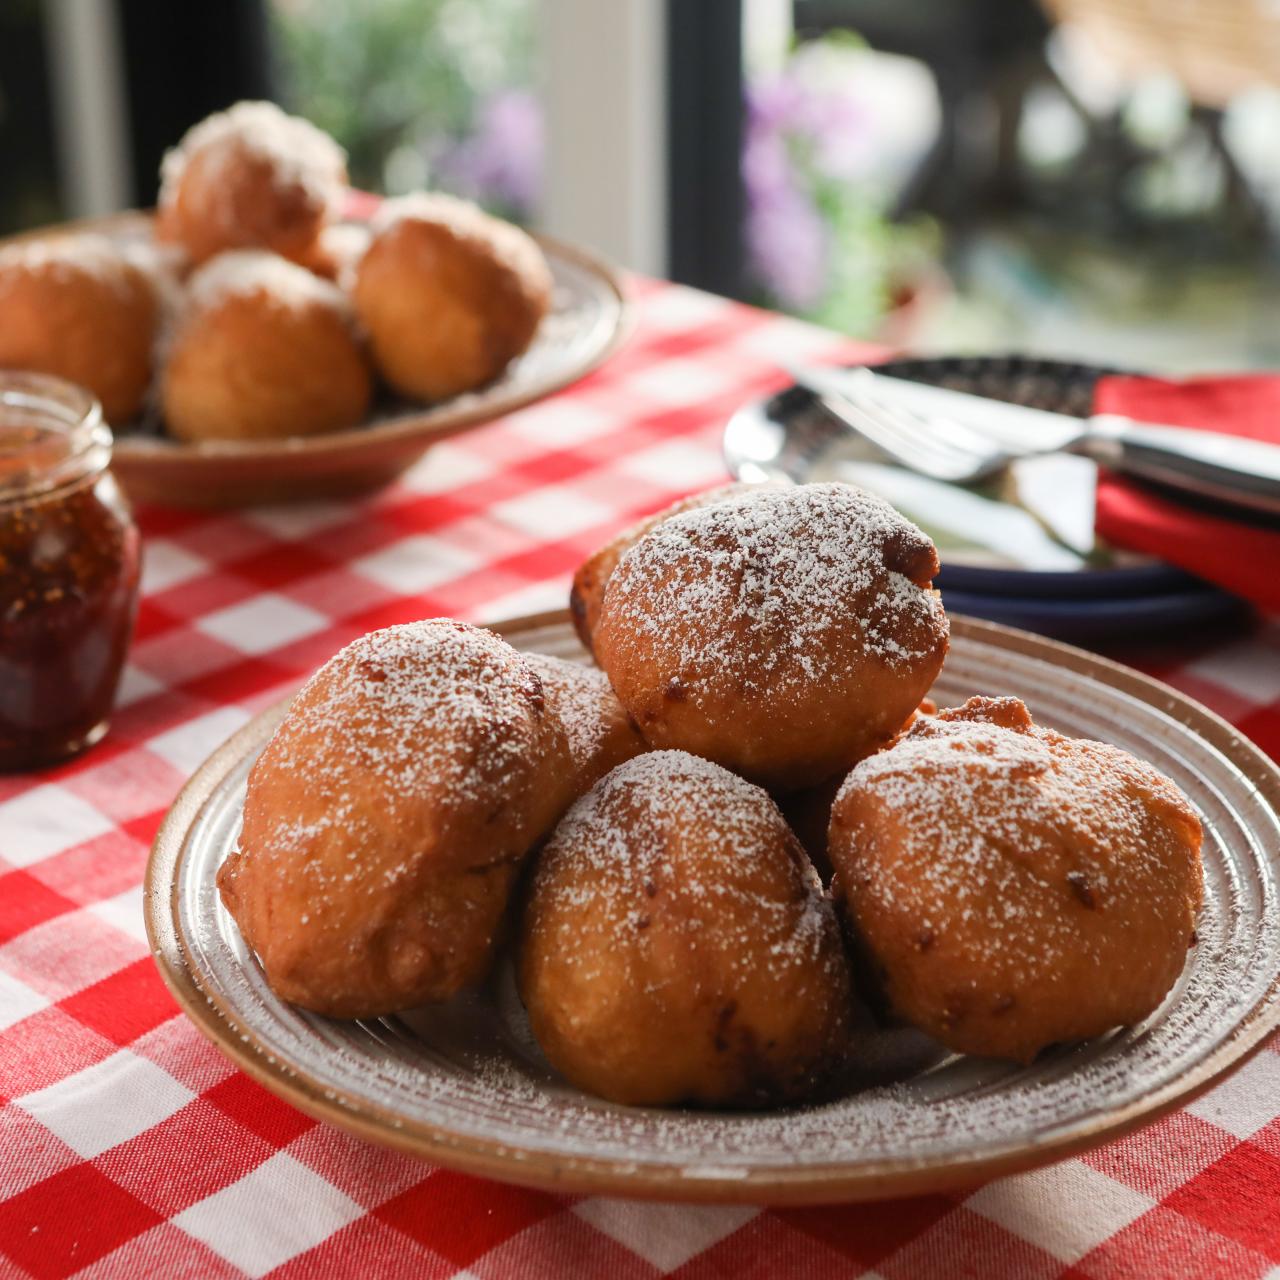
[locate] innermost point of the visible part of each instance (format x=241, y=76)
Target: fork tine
x=912, y=427
x=942, y=434
x=907, y=447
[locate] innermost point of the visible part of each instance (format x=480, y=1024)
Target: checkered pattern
x=129, y=1146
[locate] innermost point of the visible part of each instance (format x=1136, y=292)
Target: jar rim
x=51, y=406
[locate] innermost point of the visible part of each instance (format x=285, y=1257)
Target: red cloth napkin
x=1243, y=558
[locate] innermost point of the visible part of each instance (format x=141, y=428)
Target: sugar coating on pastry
x=299, y=153
x=71, y=257
x=783, y=632
x=250, y=176
x=240, y=273
x=85, y=308
x=1016, y=887
x=385, y=819
x=513, y=248
x=677, y=945
x=586, y=595
x=598, y=731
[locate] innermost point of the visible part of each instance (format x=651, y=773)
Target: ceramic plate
x=464, y=1085
x=589, y=318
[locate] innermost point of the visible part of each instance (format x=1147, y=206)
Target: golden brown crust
x=587, y=592
x=598, y=732
x=385, y=820
x=448, y=296
x=784, y=633
x=264, y=358
x=677, y=946
x=1014, y=887
x=79, y=308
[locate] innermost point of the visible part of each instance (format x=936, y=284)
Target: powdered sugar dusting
x=623, y=842
x=987, y=802
x=433, y=705
x=467, y=221
x=246, y=272
x=783, y=576
x=301, y=155
x=72, y=256
x=582, y=698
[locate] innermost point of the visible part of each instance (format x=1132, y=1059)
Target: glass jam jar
x=69, y=562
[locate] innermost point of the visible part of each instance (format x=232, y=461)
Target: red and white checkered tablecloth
x=130, y=1147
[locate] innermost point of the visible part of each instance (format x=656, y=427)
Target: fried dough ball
x=250, y=177
x=262, y=349
x=448, y=295
x=385, y=821
x=599, y=732
x=677, y=946
x=587, y=591
x=85, y=309
x=1014, y=887
x=782, y=632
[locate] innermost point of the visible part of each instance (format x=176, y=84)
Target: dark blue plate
x=1082, y=620
x=1087, y=584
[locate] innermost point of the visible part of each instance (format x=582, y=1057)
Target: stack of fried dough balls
x=761, y=653
x=264, y=316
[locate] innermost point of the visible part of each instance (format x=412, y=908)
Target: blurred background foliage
x=959, y=175
x=421, y=93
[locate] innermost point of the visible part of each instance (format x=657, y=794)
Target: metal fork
x=1240, y=472
x=936, y=447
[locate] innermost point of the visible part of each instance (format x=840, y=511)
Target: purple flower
x=787, y=246
x=500, y=163
x=804, y=127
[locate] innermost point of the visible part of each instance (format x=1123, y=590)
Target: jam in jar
x=69, y=561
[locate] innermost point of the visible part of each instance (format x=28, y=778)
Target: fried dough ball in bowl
x=598, y=731
x=448, y=295
x=85, y=309
x=262, y=349
x=385, y=821
x=782, y=632
x=677, y=946
x=587, y=592
x=1013, y=887
x=250, y=177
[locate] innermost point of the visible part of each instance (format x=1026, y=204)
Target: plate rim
x=132, y=452
x=838, y=1182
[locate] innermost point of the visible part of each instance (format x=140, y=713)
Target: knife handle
x=1231, y=469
